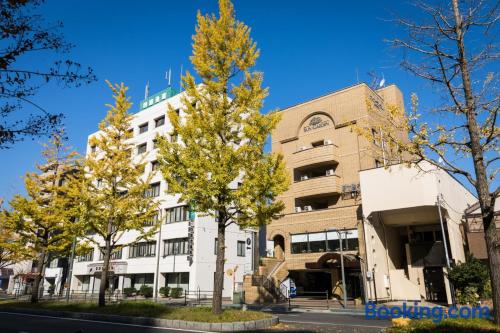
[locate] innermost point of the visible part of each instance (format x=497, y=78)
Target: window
x=216, y=246
x=349, y=242
x=141, y=149
x=318, y=143
x=152, y=221
x=177, y=280
x=93, y=149
x=139, y=280
x=160, y=121
x=324, y=242
x=115, y=254
x=317, y=242
x=175, y=246
x=87, y=256
x=299, y=243
x=143, y=128
x=143, y=249
x=240, y=249
x=130, y=131
x=154, y=165
x=378, y=164
x=153, y=191
x=177, y=214
x=155, y=143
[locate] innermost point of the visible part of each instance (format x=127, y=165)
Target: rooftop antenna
x=146, y=91
x=357, y=75
x=168, y=76
x=180, y=80
x=382, y=82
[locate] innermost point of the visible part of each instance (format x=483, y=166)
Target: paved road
x=328, y=322
x=291, y=322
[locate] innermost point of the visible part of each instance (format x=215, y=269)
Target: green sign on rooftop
x=158, y=97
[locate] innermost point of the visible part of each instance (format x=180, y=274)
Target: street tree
x=113, y=191
x=41, y=223
x=218, y=165
x=452, y=46
x=25, y=39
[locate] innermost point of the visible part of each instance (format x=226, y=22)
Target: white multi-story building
x=168, y=254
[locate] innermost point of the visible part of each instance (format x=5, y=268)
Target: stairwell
x=264, y=287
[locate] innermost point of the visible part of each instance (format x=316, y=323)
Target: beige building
x=474, y=231
x=345, y=181
x=324, y=154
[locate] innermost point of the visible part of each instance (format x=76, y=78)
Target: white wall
x=203, y=266
x=399, y=187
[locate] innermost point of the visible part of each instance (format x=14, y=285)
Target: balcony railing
x=313, y=155
x=315, y=186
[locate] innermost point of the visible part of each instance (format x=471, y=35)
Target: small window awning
x=332, y=260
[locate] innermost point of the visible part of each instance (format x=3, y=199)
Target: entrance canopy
x=332, y=260
x=422, y=215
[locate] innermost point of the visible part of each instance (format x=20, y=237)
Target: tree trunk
x=219, y=266
x=35, y=292
x=104, y=273
x=485, y=200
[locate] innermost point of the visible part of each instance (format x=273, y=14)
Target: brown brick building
x=324, y=154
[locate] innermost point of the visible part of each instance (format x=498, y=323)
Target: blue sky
x=307, y=49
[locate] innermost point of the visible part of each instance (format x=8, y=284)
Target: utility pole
x=70, y=270
x=342, y=268
x=445, y=245
x=344, y=293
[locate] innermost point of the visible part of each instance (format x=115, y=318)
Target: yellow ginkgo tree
x=41, y=223
x=112, y=189
x=218, y=165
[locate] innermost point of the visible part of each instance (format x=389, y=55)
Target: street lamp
x=344, y=291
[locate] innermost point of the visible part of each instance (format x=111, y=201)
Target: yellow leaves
x=112, y=190
x=42, y=220
x=223, y=133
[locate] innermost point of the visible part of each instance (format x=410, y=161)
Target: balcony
x=316, y=186
x=314, y=155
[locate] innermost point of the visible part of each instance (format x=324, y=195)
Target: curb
x=158, y=322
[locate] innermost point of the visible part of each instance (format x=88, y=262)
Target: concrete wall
x=399, y=196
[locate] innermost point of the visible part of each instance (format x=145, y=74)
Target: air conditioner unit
x=298, y=209
x=327, y=142
x=330, y=172
x=308, y=208
x=304, y=177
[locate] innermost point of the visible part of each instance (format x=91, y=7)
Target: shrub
x=446, y=326
x=176, y=292
x=146, y=291
x=469, y=278
x=467, y=296
x=129, y=291
x=164, y=291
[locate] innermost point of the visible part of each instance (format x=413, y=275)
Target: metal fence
x=187, y=298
